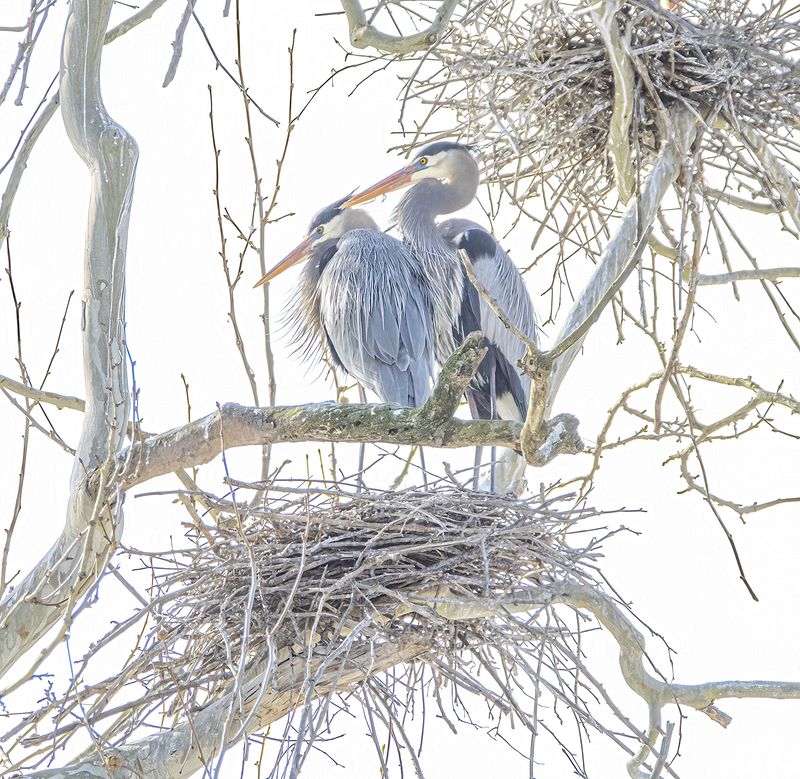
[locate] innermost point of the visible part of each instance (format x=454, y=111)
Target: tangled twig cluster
x=313, y=576
x=536, y=82
x=309, y=569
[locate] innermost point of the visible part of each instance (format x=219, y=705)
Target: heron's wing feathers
x=376, y=313
x=502, y=280
x=300, y=322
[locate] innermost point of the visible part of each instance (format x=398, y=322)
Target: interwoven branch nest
x=534, y=81
x=309, y=571
x=313, y=570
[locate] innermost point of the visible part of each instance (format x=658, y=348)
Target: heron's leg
x=476, y=469
x=362, y=396
x=493, y=412
x=424, y=469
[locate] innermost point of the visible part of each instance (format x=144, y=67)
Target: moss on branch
x=233, y=425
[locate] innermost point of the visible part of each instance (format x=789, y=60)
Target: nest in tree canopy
x=308, y=570
x=315, y=576
x=535, y=81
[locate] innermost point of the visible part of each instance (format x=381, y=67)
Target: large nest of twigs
x=535, y=80
x=314, y=576
x=313, y=571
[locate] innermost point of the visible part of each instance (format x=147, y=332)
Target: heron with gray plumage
x=364, y=296
x=443, y=178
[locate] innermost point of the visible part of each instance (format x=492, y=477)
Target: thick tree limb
x=615, y=263
x=232, y=425
x=363, y=34
x=774, y=169
x=79, y=556
x=619, y=145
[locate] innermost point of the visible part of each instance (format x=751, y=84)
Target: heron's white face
x=447, y=165
x=330, y=230
x=443, y=165
x=346, y=220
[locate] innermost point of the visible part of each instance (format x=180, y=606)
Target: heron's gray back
x=375, y=309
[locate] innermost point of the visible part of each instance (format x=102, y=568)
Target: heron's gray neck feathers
x=357, y=218
x=415, y=216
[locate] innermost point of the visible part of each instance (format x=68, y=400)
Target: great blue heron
x=444, y=178
x=365, y=296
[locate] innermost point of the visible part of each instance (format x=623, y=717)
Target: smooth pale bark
x=775, y=170
x=619, y=128
x=364, y=35
x=616, y=262
x=79, y=556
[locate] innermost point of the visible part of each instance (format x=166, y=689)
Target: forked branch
x=364, y=34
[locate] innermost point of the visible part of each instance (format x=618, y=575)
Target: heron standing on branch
x=364, y=296
x=444, y=178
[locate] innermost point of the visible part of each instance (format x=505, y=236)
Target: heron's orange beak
x=297, y=254
x=398, y=180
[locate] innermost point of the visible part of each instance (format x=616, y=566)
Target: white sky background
x=677, y=570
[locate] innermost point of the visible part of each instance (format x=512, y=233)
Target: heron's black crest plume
x=324, y=215
x=437, y=148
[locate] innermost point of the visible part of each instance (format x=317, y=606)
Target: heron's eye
x=320, y=230
x=422, y=162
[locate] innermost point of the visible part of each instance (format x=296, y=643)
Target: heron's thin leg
x=362, y=396
x=493, y=412
x=424, y=469
x=476, y=469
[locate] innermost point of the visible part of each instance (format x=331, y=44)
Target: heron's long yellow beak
x=298, y=253
x=398, y=180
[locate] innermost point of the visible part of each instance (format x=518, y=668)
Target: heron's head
x=443, y=160
x=328, y=224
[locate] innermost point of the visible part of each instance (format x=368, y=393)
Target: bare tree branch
x=765, y=274
x=24, y=152
x=41, y=396
x=142, y=15
x=78, y=557
x=363, y=34
x=777, y=173
x=618, y=145
x=740, y=202
x=432, y=425
x=616, y=258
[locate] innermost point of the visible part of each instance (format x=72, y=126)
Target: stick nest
x=318, y=575
x=535, y=81
x=311, y=572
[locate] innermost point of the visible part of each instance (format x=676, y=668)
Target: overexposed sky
x=676, y=569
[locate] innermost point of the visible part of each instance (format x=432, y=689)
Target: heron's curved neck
x=418, y=208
